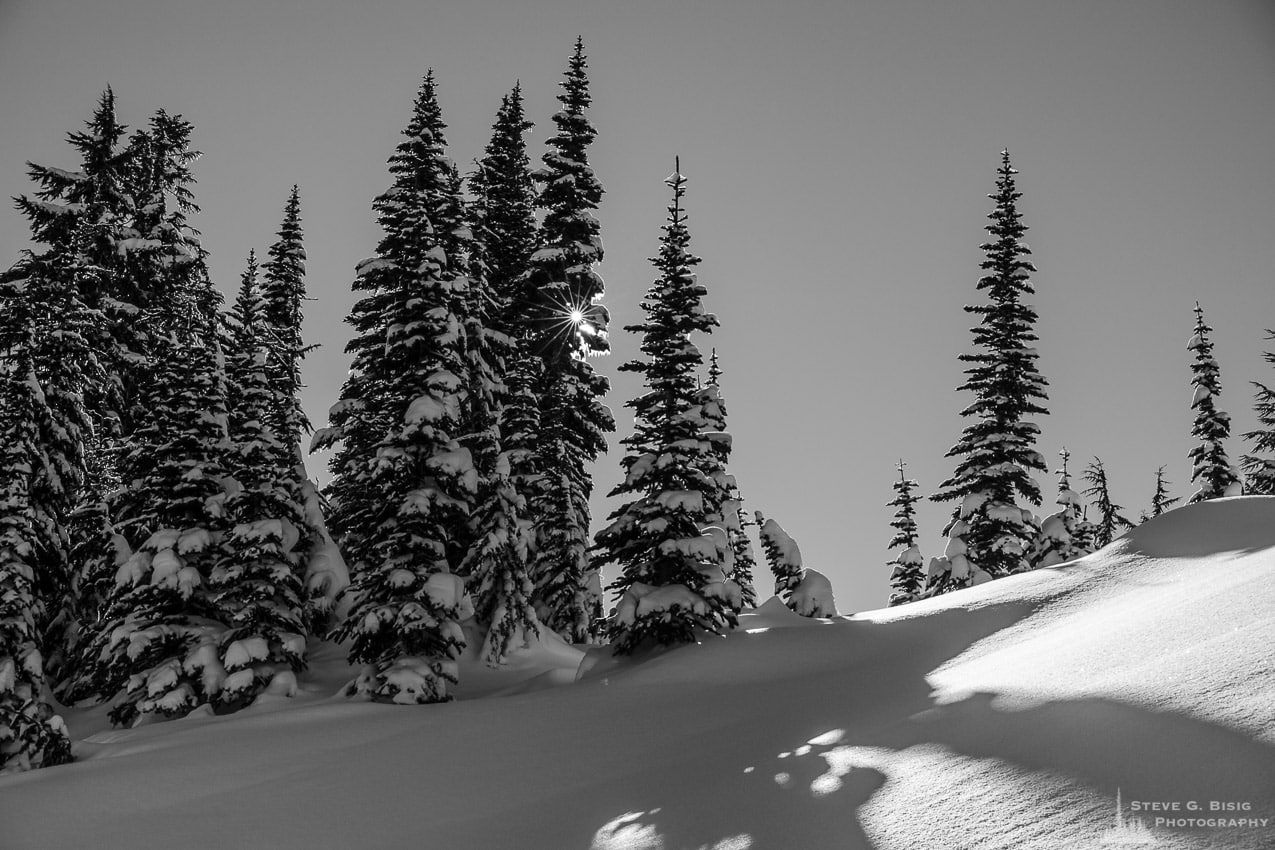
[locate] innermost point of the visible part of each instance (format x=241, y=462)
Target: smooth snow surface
x=1003, y=716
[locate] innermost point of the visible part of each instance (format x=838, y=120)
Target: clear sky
x=839, y=156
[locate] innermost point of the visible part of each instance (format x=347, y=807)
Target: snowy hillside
x=1003, y=716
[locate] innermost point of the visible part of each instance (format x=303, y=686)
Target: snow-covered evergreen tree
x=992, y=529
x=907, y=576
x=282, y=291
x=673, y=561
x=568, y=323
x=807, y=592
x=71, y=283
x=257, y=581
x=1161, y=501
x=782, y=554
x=42, y=294
x=1058, y=541
x=31, y=734
x=1110, y=519
x=496, y=563
x=282, y=294
x=403, y=486
x=499, y=580
x=1086, y=532
x=1259, y=464
x=1211, y=467
x=504, y=209
x=163, y=257
x=155, y=649
x=733, y=517
x=80, y=215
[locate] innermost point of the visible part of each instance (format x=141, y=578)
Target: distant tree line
x=993, y=531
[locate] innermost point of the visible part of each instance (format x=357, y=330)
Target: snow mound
x=1004, y=715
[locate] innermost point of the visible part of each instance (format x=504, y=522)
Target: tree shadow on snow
x=1150, y=755
x=793, y=784
x=766, y=771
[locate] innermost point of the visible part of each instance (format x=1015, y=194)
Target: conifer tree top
x=1002, y=374
x=570, y=243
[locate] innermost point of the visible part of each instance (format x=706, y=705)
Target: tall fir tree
x=568, y=323
x=504, y=211
x=1259, y=464
x=907, y=577
x=32, y=735
x=282, y=294
x=403, y=486
x=59, y=344
x=496, y=563
x=997, y=449
x=1059, y=540
x=672, y=583
x=155, y=648
x=71, y=282
x=1211, y=466
x=257, y=580
x=1110, y=519
x=1161, y=501
x=117, y=248
x=82, y=217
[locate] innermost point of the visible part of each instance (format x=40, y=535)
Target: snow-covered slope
x=1003, y=716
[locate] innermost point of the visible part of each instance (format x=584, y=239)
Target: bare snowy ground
x=1003, y=716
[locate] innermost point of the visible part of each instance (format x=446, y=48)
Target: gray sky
x=839, y=155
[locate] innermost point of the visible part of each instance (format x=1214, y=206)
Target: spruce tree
x=31, y=734
x=282, y=291
x=997, y=449
x=71, y=282
x=1160, y=499
x=568, y=323
x=1259, y=465
x=58, y=342
x=1110, y=518
x=496, y=563
x=499, y=580
x=155, y=648
x=403, y=486
x=1211, y=467
x=672, y=583
x=1058, y=541
x=907, y=576
x=282, y=294
x=257, y=580
x=504, y=211
x=733, y=517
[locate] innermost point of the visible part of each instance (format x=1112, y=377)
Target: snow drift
x=1006, y=715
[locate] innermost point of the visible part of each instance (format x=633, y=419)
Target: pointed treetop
x=575, y=96
x=675, y=180
x=247, y=306
x=427, y=114
x=714, y=370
